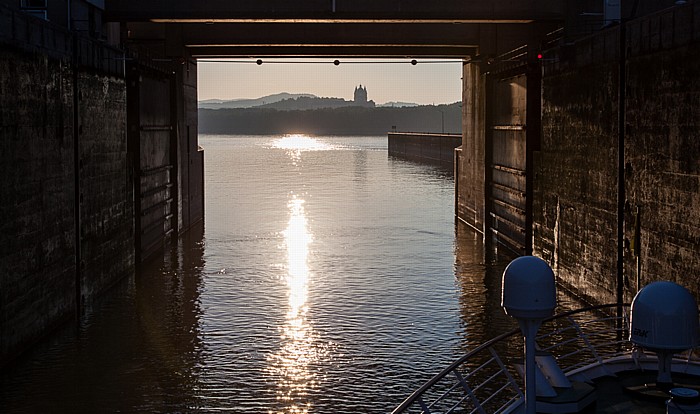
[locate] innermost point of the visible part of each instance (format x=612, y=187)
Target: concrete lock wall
x=192, y=155
x=622, y=105
x=73, y=167
x=66, y=214
x=37, y=209
x=470, y=159
x=106, y=194
x=575, y=184
x=435, y=149
x=662, y=149
x=576, y=213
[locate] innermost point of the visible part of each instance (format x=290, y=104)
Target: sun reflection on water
x=297, y=239
x=300, y=142
x=292, y=365
x=296, y=144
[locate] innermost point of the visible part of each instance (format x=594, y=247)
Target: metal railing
x=485, y=380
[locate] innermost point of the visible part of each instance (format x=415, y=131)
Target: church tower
x=360, y=96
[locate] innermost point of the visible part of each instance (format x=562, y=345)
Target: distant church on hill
x=360, y=98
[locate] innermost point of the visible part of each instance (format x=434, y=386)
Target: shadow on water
x=478, y=275
x=140, y=338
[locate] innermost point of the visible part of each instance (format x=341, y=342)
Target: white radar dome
x=528, y=290
x=664, y=317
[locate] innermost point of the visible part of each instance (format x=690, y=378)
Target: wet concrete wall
x=37, y=209
x=662, y=149
x=163, y=134
x=434, y=149
x=470, y=162
x=191, y=157
x=106, y=194
x=576, y=214
x=66, y=215
x=72, y=167
x=575, y=173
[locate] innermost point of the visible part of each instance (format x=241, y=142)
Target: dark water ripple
x=328, y=278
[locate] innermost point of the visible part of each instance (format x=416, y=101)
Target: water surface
x=328, y=277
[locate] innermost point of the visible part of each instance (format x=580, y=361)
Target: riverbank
x=350, y=121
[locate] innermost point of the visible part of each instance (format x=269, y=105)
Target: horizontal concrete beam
x=331, y=34
x=263, y=51
x=333, y=39
x=497, y=11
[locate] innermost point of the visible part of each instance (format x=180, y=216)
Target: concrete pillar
x=471, y=179
x=190, y=160
x=168, y=67
x=533, y=143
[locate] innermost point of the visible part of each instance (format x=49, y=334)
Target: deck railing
x=485, y=380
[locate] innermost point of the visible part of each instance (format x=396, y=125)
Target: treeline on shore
x=353, y=120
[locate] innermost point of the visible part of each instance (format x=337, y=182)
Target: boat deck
x=612, y=397
x=589, y=346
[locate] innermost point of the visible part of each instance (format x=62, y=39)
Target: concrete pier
x=435, y=149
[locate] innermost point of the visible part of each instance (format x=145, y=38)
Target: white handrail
x=475, y=371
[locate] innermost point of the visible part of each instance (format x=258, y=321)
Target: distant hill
x=305, y=103
x=250, y=103
x=347, y=120
x=291, y=101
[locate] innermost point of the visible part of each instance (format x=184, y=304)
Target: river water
x=328, y=277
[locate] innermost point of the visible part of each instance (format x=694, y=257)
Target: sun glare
x=300, y=143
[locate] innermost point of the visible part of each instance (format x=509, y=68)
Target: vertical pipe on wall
x=622, y=79
x=133, y=146
x=637, y=246
x=76, y=177
x=457, y=159
x=489, y=102
x=175, y=134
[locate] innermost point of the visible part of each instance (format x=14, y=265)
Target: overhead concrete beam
x=324, y=11
x=331, y=34
x=357, y=51
x=327, y=39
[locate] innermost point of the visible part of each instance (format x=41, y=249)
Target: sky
x=428, y=82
